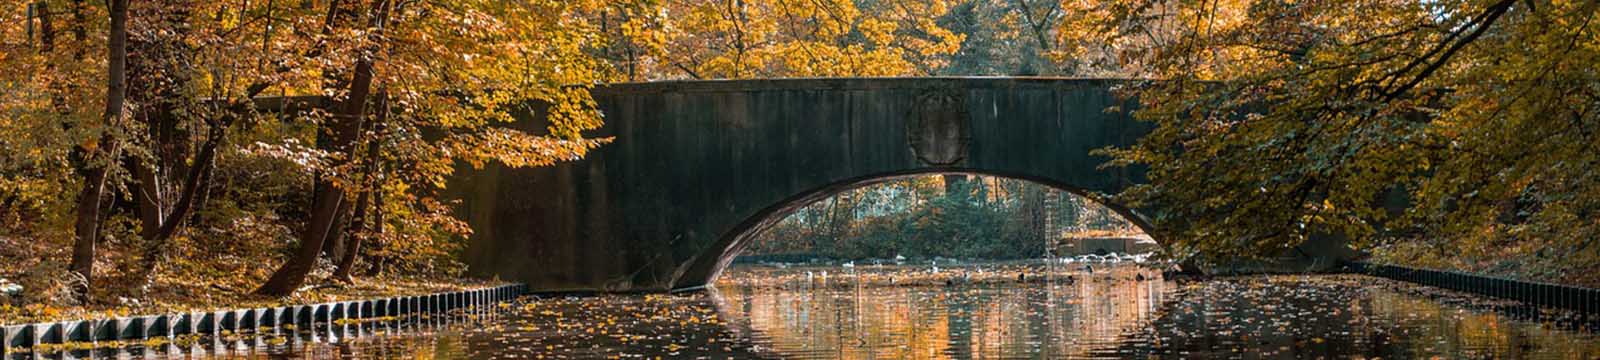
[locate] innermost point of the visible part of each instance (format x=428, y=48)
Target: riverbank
x=205, y=270
x=889, y=275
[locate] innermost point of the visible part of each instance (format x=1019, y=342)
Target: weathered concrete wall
x=696, y=166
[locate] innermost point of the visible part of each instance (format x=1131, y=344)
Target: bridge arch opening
x=974, y=183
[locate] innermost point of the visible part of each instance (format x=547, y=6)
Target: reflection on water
x=988, y=312
x=993, y=316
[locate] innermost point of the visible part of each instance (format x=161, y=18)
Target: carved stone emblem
x=937, y=127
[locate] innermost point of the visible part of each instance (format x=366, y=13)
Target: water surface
x=969, y=312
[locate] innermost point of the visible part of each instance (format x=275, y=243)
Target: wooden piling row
x=1583, y=300
x=256, y=320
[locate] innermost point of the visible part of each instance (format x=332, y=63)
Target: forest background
x=138, y=162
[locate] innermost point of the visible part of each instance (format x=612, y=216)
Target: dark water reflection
x=1347, y=316
x=915, y=313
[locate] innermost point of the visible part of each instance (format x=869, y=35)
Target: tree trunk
x=378, y=261
x=157, y=235
x=47, y=30
x=353, y=239
x=329, y=198
x=333, y=246
x=357, y=231
x=331, y=79
x=87, y=227
x=292, y=274
x=96, y=159
x=147, y=193
x=956, y=185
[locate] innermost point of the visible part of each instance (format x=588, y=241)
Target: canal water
x=980, y=312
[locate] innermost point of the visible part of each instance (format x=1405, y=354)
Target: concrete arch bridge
x=699, y=167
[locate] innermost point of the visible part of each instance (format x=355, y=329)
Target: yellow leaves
x=518, y=149
x=878, y=32
x=788, y=38
x=640, y=31
x=947, y=42
x=572, y=111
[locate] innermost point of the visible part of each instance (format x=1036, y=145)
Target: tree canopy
x=166, y=142
x=1461, y=130
x=142, y=120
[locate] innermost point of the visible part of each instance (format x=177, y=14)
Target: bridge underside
x=698, y=167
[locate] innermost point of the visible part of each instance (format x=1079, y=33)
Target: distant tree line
x=954, y=216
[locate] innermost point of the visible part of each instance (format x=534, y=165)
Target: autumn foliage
x=1450, y=134
x=218, y=134
x=155, y=146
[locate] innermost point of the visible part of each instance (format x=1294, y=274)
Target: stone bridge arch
x=698, y=166
x=734, y=241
